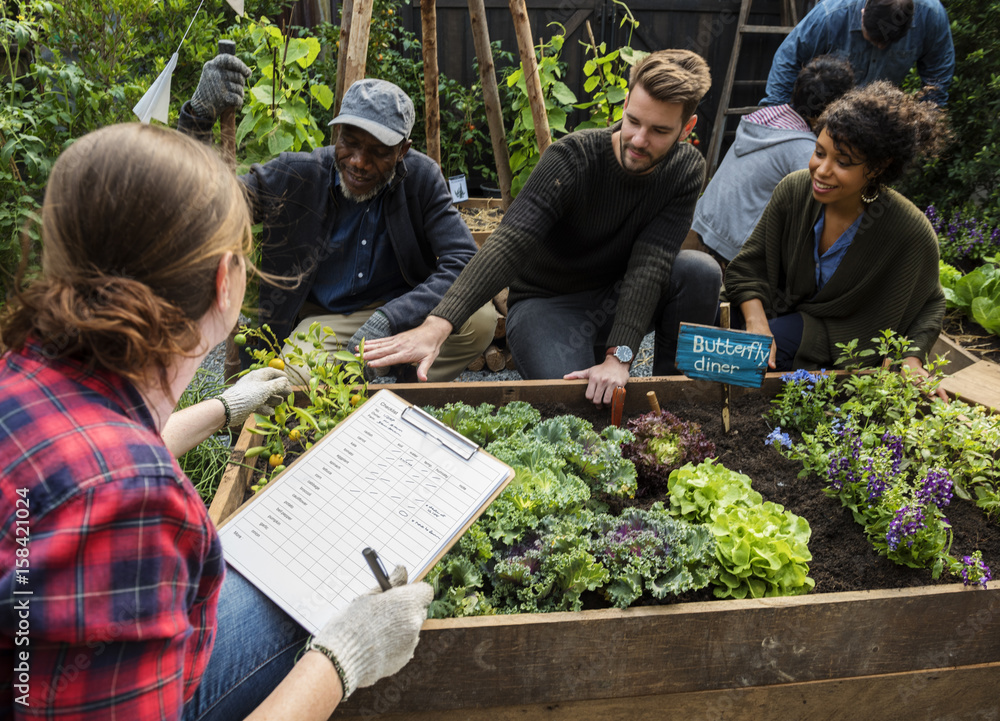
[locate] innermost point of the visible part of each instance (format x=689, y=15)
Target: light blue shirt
x=834, y=26
x=827, y=264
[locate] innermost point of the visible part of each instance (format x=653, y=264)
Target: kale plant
x=651, y=552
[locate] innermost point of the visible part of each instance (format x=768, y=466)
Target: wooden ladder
x=788, y=21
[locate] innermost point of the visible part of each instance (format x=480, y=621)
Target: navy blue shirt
x=361, y=268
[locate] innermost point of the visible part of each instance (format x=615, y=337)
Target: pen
x=376, y=565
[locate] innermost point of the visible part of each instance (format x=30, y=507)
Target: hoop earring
x=870, y=193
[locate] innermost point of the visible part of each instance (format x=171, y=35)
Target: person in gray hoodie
x=770, y=143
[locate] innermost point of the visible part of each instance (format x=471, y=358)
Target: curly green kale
x=663, y=443
x=649, y=551
x=481, y=425
x=595, y=457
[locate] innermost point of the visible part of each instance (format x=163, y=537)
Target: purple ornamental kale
x=663, y=443
x=936, y=487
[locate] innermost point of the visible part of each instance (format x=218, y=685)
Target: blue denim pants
x=550, y=337
x=256, y=646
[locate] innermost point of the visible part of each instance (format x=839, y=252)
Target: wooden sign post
x=737, y=357
x=730, y=357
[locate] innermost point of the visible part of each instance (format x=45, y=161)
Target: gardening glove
x=220, y=87
x=258, y=391
x=375, y=327
x=377, y=634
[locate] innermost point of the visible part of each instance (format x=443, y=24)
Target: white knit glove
x=377, y=634
x=220, y=86
x=258, y=391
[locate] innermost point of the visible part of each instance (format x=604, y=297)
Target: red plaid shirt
x=122, y=567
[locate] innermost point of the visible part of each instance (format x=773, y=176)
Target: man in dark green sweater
x=590, y=247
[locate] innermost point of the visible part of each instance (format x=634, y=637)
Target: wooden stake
x=345, y=35
x=522, y=27
x=357, y=44
x=491, y=96
x=726, y=389
x=617, y=406
x=432, y=112
x=654, y=403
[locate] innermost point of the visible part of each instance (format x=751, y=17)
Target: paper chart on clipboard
x=391, y=477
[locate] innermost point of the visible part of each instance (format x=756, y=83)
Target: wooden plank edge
x=965, y=692
x=236, y=478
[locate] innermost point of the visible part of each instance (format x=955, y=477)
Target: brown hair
x=886, y=127
x=673, y=76
x=135, y=220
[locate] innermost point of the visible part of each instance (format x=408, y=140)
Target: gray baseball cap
x=378, y=107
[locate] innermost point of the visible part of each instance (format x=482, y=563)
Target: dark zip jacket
x=295, y=198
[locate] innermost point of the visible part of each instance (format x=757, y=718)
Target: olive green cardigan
x=888, y=279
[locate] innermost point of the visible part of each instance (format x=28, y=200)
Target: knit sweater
x=582, y=222
x=888, y=279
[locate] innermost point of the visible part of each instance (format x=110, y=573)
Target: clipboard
x=389, y=476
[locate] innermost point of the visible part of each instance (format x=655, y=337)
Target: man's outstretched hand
x=419, y=345
x=602, y=379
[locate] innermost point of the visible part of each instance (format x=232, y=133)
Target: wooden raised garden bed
x=925, y=652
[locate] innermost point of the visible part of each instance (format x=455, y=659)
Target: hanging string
x=189, y=26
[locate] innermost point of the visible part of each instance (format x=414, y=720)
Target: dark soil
x=843, y=559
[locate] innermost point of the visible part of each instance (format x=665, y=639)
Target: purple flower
x=974, y=571
x=905, y=524
x=936, y=487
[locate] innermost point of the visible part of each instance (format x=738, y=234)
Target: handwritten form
x=389, y=477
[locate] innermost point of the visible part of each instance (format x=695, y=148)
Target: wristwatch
x=622, y=353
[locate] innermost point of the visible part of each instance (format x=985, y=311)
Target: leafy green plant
x=976, y=294
x=335, y=386
x=559, y=100
x=663, y=443
x=278, y=111
x=206, y=463
x=762, y=549
x=963, y=238
x=607, y=77
x=801, y=405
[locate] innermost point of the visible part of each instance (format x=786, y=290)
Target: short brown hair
x=673, y=76
x=134, y=223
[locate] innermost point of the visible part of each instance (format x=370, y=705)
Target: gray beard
x=365, y=197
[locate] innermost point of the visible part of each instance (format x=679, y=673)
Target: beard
x=650, y=161
x=363, y=197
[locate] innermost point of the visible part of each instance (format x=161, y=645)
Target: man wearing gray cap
x=367, y=224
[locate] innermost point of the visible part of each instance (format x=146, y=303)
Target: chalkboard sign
x=736, y=357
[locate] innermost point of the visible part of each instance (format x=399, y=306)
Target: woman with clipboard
x=116, y=601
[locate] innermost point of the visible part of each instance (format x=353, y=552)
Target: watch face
x=623, y=353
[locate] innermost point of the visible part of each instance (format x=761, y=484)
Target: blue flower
x=904, y=524
x=936, y=487
x=974, y=571
x=776, y=437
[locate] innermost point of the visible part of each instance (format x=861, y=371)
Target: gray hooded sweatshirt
x=735, y=198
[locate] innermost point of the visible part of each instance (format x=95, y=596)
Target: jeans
x=550, y=337
x=787, y=332
x=256, y=646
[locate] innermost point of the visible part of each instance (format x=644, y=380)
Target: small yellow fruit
x=294, y=434
x=276, y=460
x=355, y=399
x=277, y=363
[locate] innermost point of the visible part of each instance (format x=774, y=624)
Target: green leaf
x=322, y=94
x=562, y=93
x=616, y=95
x=591, y=83
x=279, y=141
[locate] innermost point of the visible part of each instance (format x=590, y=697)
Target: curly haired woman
x=837, y=255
